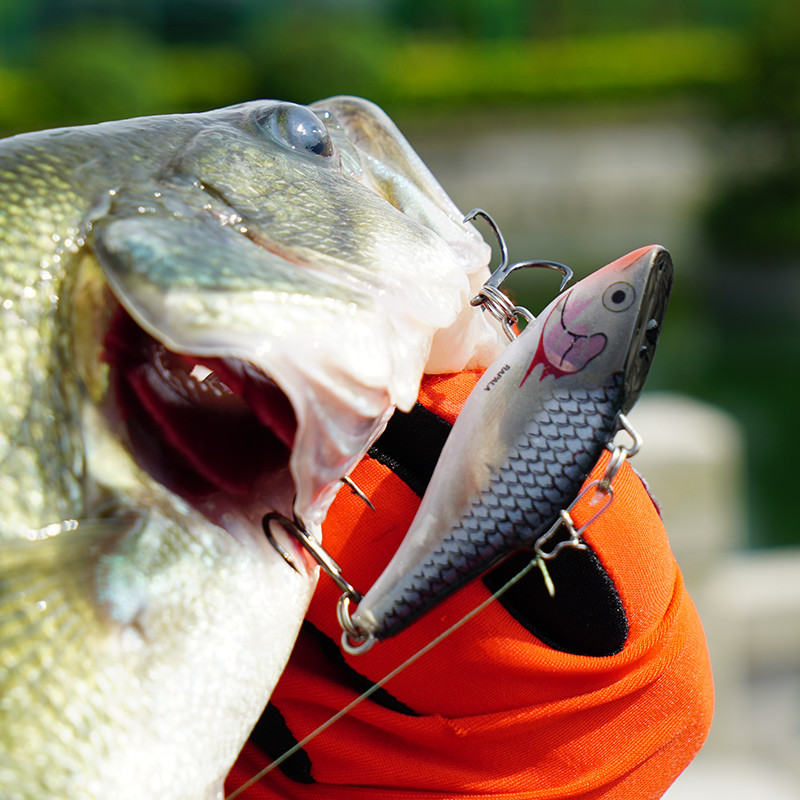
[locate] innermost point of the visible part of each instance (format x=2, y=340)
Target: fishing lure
x=525, y=441
x=527, y=437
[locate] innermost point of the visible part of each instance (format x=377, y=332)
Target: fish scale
x=144, y=619
x=522, y=501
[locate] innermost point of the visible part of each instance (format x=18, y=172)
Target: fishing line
x=385, y=679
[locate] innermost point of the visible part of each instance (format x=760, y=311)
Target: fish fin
x=62, y=545
x=47, y=573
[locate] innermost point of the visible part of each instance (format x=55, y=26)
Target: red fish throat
x=198, y=425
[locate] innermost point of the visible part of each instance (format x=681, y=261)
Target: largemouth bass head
x=284, y=278
x=203, y=317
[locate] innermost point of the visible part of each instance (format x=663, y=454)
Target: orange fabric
x=501, y=714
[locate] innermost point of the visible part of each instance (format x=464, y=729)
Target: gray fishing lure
x=527, y=437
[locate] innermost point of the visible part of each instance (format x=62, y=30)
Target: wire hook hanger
x=495, y=301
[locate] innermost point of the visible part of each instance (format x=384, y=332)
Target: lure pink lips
x=569, y=345
x=200, y=426
x=566, y=346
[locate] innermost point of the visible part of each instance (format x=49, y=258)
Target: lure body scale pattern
x=529, y=434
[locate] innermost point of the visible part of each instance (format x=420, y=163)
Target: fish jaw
x=545, y=411
x=388, y=165
x=342, y=364
x=342, y=278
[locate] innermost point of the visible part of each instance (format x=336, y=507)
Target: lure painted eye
x=619, y=296
x=297, y=128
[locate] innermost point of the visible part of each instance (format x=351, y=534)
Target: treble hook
x=356, y=490
x=490, y=296
x=505, y=269
x=298, y=530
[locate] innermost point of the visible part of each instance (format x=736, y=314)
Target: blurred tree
x=57, y=14
x=774, y=88
x=201, y=20
x=17, y=24
x=542, y=19
x=469, y=18
x=751, y=287
x=86, y=71
x=758, y=214
x=316, y=49
x=97, y=70
x=168, y=20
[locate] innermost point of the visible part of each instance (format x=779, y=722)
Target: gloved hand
x=602, y=691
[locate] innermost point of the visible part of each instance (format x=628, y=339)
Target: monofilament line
x=385, y=679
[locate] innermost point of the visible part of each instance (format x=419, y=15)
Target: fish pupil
x=313, y=137
x=618, y=296
x=297, y=128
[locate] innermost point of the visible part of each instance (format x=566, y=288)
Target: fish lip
x=648, y=326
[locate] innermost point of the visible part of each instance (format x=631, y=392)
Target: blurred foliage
x=771, y=86
x=304, y=56
x=541, y=19
x=759, y=217
x=752, y=284
x=597, y=67
x=72, y=61
x=92, y=71
x=759, y=214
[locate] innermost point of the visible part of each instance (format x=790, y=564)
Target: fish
x=204, y=318
x=525, y=441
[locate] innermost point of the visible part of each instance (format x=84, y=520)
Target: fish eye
x=619, y=296
x=297, y=128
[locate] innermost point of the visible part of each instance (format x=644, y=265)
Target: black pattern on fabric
x=586, y=617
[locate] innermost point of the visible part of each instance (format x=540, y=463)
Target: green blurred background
x=586, y=128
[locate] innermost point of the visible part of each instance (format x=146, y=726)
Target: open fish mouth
x=204, y=427
x=277, y=303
